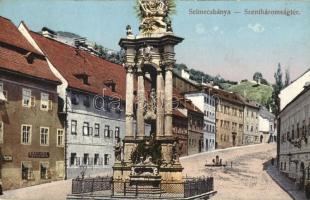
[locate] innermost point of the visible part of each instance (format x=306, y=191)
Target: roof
x=72, y=62
x=225, y=95
x=248, y=102
x=9, y=34
x=299, y=95
x=15, y=50
x=177, y=113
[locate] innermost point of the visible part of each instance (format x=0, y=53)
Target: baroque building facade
x=206, y=102
x=92, y=94
x=31, y=133
x=229, y=119
x=251, y=122
x=294, y=129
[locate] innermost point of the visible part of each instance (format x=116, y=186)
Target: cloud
x=215, y=28
x=200, y=29
x=257, y=28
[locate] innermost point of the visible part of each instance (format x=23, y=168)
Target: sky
x=234, y=45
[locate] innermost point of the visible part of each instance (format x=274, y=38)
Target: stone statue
x=151, y=105
x=146, y=53
x=175, y=155
x=153, y=14
x=128, y=31
x=118, y=150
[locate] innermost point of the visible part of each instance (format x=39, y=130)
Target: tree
x=287, y=77
x=257, y=76
x=277, y=87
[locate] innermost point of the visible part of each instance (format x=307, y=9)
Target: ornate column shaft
x=168, y=100
x=160, y=103
x=129, y=102
x=141, y=101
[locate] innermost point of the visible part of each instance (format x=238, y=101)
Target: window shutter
x=33, y=101
x=50, y=104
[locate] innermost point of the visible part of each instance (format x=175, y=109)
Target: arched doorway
x=261, y=138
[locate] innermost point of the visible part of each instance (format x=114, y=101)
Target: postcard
x=154, y=99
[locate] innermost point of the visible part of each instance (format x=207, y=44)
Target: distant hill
x=201, y=77
x=259, y=93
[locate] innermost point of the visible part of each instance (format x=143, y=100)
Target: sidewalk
x=285, y=183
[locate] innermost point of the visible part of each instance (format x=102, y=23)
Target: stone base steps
x=145, y=190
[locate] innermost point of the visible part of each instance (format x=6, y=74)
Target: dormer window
x=111, y=84
x=29, y=57
x=83, y=77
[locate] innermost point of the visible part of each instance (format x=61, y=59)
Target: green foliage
x=259, y=76
x=277, y=87
x=143, y=150
x=287, y=78
x=259, y=93
x=110, y=55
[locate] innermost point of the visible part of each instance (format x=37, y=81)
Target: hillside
x=259, y=93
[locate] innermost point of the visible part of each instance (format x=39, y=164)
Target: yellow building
x=229, y=119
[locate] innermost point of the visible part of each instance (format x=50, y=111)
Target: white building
x=266, y=127
x=294, y=147
x=92, y=92
x=206, y=103
x=293, y=89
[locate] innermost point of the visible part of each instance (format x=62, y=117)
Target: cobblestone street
x=246, y=180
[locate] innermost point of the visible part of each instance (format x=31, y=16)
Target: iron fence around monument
x=89, y=185
x=188, y=188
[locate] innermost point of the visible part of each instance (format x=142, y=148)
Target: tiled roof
x=14, y=49
x=71, y=62
x=177, y=113
x=224, y=95
x=9, y=34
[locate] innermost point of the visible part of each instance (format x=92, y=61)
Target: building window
x=44, y=170
x=85, y=158
x=73, y=159
x=73, y=127
x=60, y=137
x=106, y=159
x=86, y=128
x=96, y=159
x=1, y=132
x=28, y=100
x=97, y=130
x=106, y=131
x=26, y=134
x=45, y=102
x=44, y=136
x=3, y=93
x=117, y=132
x=27, y=170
